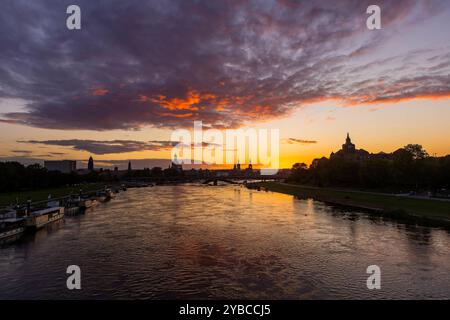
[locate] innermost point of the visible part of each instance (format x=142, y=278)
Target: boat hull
x=37, y=221
x=11, y=233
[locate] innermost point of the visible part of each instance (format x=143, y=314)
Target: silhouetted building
x=349, y=151
x=175, y=164
x=91, y=164
x=348, y=146
x=237, y=166
x=64, y=166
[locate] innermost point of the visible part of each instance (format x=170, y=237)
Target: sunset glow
x=387, y=87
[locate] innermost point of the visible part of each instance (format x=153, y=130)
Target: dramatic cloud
x=167, y=63
x=111, y=146
x=106, y=147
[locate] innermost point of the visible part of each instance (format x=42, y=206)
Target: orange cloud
x=222, y=104
x=366, y=100
x=194, y=101
x=188, y=103
x=257, y=111
x=175, y=115
x=99, y=92
x=373, y=99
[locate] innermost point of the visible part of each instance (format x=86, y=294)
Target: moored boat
x=79, y=206
x=110, y=193
x=102, y=197
x=86, y=203
x=94, y=202
x=106, y=195
x=40, y=218
x=11, y=227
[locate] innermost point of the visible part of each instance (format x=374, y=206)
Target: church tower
x=91, y=164
x=348, y=146
x=250, y=166
x=175, y=164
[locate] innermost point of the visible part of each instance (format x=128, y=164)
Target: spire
x=91, y=164
x=348, y=146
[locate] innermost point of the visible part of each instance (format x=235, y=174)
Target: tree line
x=409, y=168
x=16, y=177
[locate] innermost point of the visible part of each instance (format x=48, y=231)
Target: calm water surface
x=192, y=241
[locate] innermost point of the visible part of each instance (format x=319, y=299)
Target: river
x=197, y=241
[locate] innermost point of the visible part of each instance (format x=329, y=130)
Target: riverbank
x=419, y=211
x=7, y=199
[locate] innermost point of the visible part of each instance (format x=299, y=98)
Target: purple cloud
x=106, y=147
x=167, y=63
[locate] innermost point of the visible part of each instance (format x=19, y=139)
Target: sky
x=138, y=70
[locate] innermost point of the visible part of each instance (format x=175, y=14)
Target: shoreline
x=426, y=212
x=7, y=199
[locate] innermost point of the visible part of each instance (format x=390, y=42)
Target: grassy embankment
x=39, y=195
x=427, y=211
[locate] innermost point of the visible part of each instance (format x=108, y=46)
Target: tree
x=299, y=172
x=16, y=177
x=417, y=151
x=408, y=168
